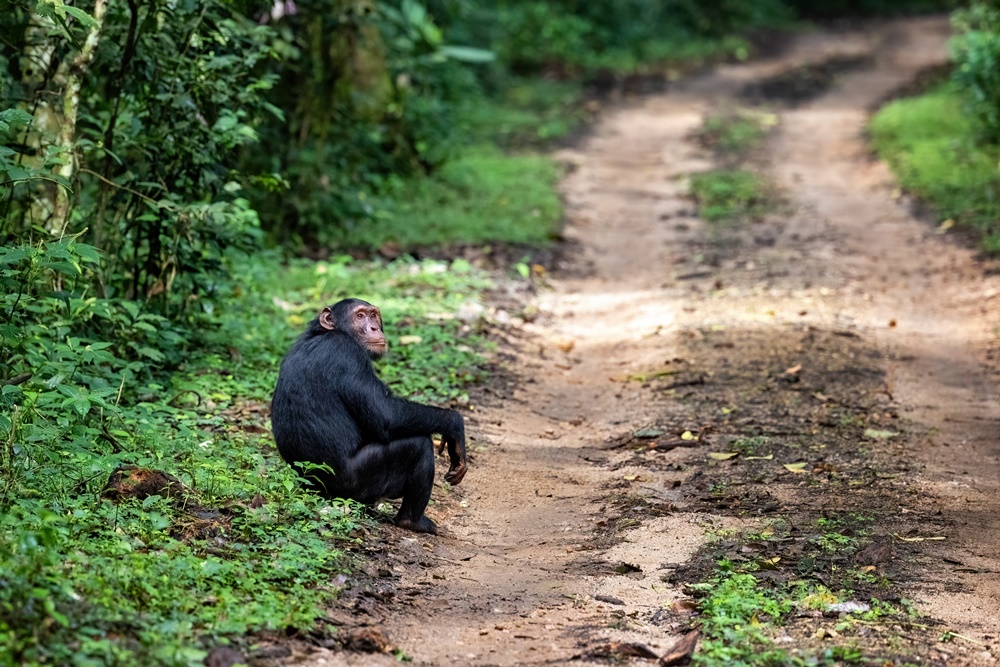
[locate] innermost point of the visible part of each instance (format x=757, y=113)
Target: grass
x=730, y=196
x=742, y=613
x=158, y=581
x=479, y=197
x=736, y=132
x=935, y=151
x=527, y=112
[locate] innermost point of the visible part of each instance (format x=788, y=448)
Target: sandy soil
x=669, y=323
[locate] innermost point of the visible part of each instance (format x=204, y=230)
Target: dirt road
x=840, y=332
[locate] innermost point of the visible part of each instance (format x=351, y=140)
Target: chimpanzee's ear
x=326, y=319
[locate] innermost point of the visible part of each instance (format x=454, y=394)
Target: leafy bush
x=936, y=152
x=158, y=114
x=976, y=52
x=156, y=580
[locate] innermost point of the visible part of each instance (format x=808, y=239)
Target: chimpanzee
x=330, y=408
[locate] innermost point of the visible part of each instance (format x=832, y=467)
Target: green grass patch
x=479, y=197
x=157, y=581
x=528, y=112
x=825, y=609
x=729, y=196
x=933, y=147
x=737, y=131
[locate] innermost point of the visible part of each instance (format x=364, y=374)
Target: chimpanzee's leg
x=401, y=469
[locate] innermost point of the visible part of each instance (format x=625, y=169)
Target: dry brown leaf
x=684, y=606
x=682, y=650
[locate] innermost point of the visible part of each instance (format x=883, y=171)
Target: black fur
x=330, y=408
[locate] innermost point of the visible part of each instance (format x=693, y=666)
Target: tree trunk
x=73, y=82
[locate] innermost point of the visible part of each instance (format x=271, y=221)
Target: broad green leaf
x=722, y=456
x=81, y=16
x=467, y=54
x=87, y=253
x=151, y=353
x=14, y=255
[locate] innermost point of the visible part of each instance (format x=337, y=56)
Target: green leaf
x=467, y=54
x=81, y=16
x=87, y=253
x=151, y=353
x=14, y=255
x=15, y=116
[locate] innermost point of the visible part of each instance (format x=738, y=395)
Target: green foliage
x=729, y=196
x=529, y=36
x=976, y=52
x=833, y=8
x=155, y=581
x=155, y=143
x=935, y=151
x=478, y=197
x=737, y=131
x=527, y=113
x=736, y=616
x=370, y=92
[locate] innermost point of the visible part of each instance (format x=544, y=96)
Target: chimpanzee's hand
x=455, y=441
x=459, y=465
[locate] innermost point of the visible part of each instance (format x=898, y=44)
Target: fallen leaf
x=760, y=458
x=624, y=649
x=945, y=226
x=879, y=435
x=625, y=568
x=688, y=435
x=684, y=606
x=918, y=539
x=769, y=563
x=647, y=433
x=793, y=370
x=566, y=345
x=681, y=651
x=722, y=456
x=796, y=467
x=609, y=599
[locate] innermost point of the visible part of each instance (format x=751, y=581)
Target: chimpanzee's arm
x=384, y=418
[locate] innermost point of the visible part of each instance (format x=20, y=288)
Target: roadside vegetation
x=735, y=192
x=163, y=168
x=944, y=145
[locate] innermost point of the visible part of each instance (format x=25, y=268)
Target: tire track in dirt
x=521, y=575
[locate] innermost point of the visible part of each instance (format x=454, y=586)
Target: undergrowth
x=728, y=196
x=479, y=197
x=936, y=151
x=93, y=576
x=749, y=605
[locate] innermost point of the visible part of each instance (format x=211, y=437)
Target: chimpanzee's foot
x=421, y=525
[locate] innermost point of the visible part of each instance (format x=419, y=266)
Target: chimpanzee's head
x=360, y=320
